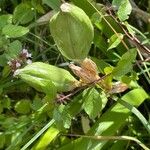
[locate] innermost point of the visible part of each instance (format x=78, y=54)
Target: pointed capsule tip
x=65, y=7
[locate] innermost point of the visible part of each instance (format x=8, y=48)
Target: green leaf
x=115, y=40
x=5, y=19
x=116, y=2
x=86, y=6
x=22, y=107
x=92, y=102
x=46, y=138
x=62, y=117
x=14, y=50
x=23, y=13
x=49, y=124
x=54, y=4
x=101, y=64
x=124, y=10
x=125, y=64
x=110, y=122
x=13, y=31
x=3, y=60
x=40, y=84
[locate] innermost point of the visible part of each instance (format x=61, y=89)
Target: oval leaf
x=92, y=102
x=23, y=13
x=13, y=31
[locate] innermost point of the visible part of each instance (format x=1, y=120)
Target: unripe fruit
x=72, y=31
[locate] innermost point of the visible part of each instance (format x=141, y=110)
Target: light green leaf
x=14, y=50
x=115, y=40
x=54, y=4
x=116, y=2
x=13, y=31
x=5, y=19
x=46, y=138
x=43, y=72
x=23, y=13
x=62, y=117
x=124, y=10
x=92, y=102
x=125, y=64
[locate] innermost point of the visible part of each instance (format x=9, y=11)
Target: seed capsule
x=72, y=31
x=39, y=75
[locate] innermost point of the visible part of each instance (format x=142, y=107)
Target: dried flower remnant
x=87, y=72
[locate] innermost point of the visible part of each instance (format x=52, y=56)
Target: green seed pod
x=72, y=31
x=39, y=75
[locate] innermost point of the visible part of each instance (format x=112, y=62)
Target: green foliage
x=62, y=117
x=92, y=102
x=13, y=50
x=23, y=13
x=115, y=40
x=13, y=31
x=124, y=10
x=41, y=75
x=76, y=27
x=45, y=103
x=54, y=4
x=23, y=107
x=5, y=19
x=125, y=64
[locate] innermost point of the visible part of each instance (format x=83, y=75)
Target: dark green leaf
x=54, y=4
x=86, y=6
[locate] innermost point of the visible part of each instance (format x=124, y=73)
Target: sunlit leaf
x=124, y=10
x=125, y=64
x=115, y=40
x=13, y=31
x=46, y=138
